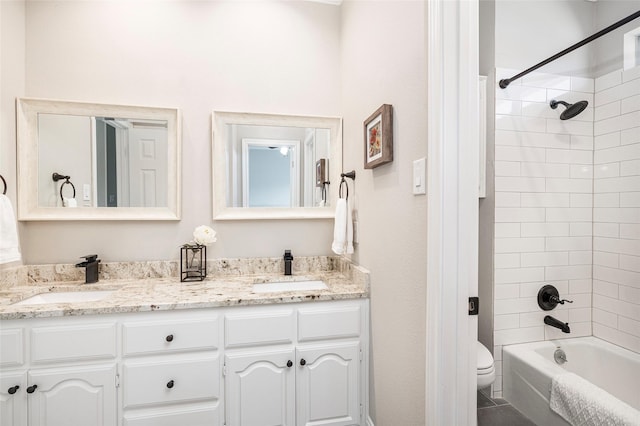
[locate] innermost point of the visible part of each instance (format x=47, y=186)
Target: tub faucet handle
x=560, y=301
x=549, y=298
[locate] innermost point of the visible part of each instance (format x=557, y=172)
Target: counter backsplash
x=58, y=273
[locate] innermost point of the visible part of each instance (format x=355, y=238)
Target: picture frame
x=378, y=137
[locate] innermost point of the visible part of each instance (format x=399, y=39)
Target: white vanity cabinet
x=171, y=369
x=58, y=372
x=285, y=364
x=296, y=364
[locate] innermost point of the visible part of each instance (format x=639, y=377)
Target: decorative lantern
x=193, y=262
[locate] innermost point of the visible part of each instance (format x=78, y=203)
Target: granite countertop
x=168, y=293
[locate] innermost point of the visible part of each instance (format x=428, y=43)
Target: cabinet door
x=13, y=400
x=327, y=384
x=82, y=396
x=260, y=388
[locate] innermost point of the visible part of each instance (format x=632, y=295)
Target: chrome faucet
x=288, y=258
x=91, y=264
x=564, y=326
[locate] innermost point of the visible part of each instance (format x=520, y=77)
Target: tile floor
x=498, y=412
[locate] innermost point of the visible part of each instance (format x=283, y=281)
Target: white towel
x=9, y=243
x=342, y=228
x=70, y=202
x=582, y=403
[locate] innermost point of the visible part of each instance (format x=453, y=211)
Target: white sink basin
x=66, y=297
x=289, y=286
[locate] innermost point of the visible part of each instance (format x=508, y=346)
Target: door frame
x=452, y=214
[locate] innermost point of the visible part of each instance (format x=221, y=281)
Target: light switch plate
x=86, y=192
x=419, y=176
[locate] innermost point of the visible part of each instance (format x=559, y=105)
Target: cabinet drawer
x=199, y=416
x=259, y=327
x=11, y=347
x=317, y=323
x=92, y=341
x=176, y=380
x=169, y=336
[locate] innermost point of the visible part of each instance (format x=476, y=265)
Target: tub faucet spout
x=564, y=326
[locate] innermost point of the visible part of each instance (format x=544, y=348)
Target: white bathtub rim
x=546, y=369
x=528, y=352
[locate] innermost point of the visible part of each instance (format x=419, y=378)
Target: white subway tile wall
x=567, y=209
x=544, y=200
x=616, y=212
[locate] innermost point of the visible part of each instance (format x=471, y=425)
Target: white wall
x=616, y=227
x=274, y=57
x=12, y=84
x=529, y=31
x=384, y=61
x=608, y=49
x=271, y=57
x=543, y=230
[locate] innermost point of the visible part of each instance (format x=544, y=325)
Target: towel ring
x=4, y=182
x=56, y=177
x=350, y=175
x=62, y=186
x=343, y=181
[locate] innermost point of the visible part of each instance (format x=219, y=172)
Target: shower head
x=572, y=109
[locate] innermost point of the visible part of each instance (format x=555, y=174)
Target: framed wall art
x=378, y=137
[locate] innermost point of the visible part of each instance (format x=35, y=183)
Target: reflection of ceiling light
x=284, y=150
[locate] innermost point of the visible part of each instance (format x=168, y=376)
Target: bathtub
x=529, y=367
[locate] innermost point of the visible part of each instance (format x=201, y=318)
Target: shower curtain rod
x=506, y=81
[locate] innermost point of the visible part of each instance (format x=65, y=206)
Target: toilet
x=486, y=369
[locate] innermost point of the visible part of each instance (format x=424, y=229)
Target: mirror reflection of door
x=311, y=144
x=270, y=173
x=148, y=164
x=131, y=162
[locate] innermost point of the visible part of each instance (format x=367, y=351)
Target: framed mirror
x=87, y=161
x=268, y=166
